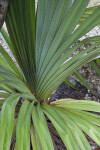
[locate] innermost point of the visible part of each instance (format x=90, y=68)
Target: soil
x=65, y=91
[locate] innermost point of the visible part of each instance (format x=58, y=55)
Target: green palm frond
x=35, y=141
x=95, y=66
x=87, y=13
x=42, y=42
x=74, y=110
x=41, y=128
x=6, y=120
x=23, y=126
x=98, y=61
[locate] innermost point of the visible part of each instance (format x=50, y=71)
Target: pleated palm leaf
x=42, y=42
x=92, y=63
x=88, y=11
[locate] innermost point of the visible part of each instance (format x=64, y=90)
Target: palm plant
x=42, y=42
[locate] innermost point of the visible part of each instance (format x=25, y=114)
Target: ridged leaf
x=6, y=121
x=41, y=128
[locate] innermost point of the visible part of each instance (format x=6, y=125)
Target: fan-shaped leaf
x=61, y=127
x=78, y=104
x=6, y=121
x=41, y=128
